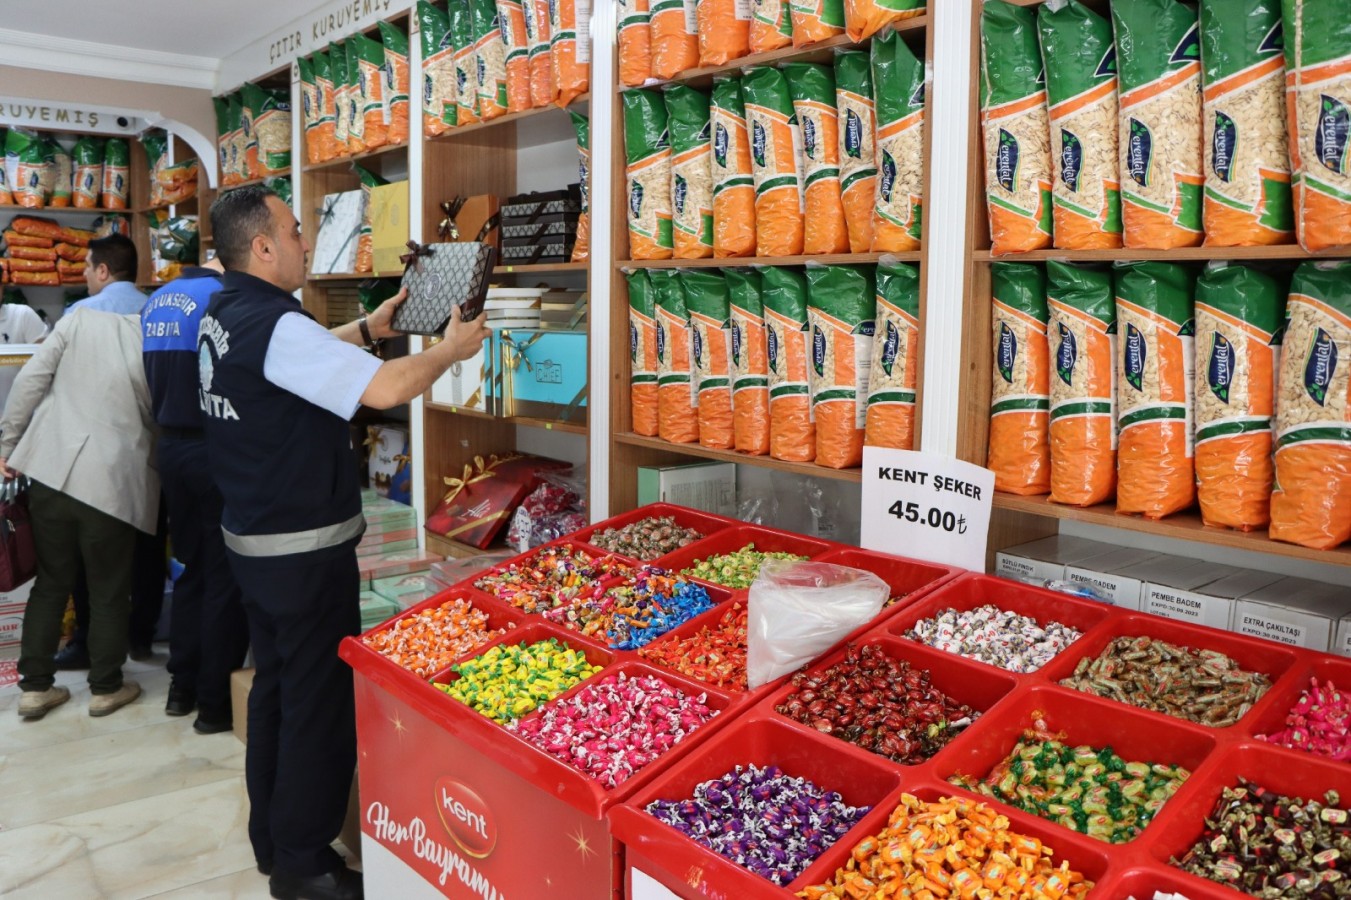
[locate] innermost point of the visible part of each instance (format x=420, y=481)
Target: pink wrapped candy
x=1320, y=723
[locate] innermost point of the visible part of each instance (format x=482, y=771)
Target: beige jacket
x=78, y=418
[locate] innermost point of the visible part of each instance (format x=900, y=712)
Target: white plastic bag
x=798, y=610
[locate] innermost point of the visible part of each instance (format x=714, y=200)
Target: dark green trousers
x=67, y=533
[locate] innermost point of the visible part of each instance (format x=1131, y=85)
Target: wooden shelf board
x=549, y=424
x=822, y=51
x=338, y=164
x=284, y=173
x=540, y=268
x=1185, y=526
x=1181, y=254
x=461, y=130
x=432, y=406
x=765, y=462
x=44, y=211
x=444, y=546
x=825, y=259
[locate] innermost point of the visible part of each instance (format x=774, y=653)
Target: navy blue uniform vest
x=282, y=464
x=169, y=325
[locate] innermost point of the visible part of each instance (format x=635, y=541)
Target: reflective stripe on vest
x=295, y=541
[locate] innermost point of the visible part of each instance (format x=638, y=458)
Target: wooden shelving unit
x=343, y=162
x=629, y=451
x=581, y=104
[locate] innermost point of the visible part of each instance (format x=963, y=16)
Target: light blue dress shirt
x=121, y=297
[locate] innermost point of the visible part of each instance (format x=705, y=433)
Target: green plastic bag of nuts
x=841, y=309
x=642, y=353
x=792, y=430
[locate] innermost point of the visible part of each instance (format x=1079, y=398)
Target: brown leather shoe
x=106, y=704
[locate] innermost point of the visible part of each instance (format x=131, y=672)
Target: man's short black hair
x=237, y=217
x=118, y=253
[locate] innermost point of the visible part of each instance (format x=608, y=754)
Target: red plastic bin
x=1142, y=881
x=535, y=551
x=730, y=540
x=703, y=522
x=909, y=579
x=717, y=595
x=1283, y=697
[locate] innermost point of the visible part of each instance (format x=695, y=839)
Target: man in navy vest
x=277, y=390
x=209, y=635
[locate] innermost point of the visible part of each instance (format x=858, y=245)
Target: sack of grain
x=1080, y=60
x=156, y=145
x=675, y=37
x=438, y=69
x=776, y=162
x=1247, y=164
x=894, y=362
x=356, y=102
x=116, y=174
x=857, y=122
x=812, y=88
x=864, y=18
x=270, y=117
x=570, y=47
x=1318, y=100
x=581, y=245
x=677, y=391
x=750, y=366
x=792, y=426
x=1020, y=403
x=710, y=352
x=328, y=107
x=516, y=46
x=24, y=162
x=691, y=172
x=1238, y=319
x=771, y=25
x=63, y=173
x=1016, y=130
x=222, y=108
x=647, y=152
x=1313, y=409
x=397, y=82
x=1159, y=64
x=1156, y=472
x=642, y=352
x=88, y=179
x=342, y=97
x=898, y=86
x=733, y=181
x=635, y=42
x=466, y=61
x=543, y=90
x=490, y=55
x=239, y=138
x=1081, y=339
x=816, y=20
x=309, y=108
x=841, y=309
x=724, y=30
x=49, y=176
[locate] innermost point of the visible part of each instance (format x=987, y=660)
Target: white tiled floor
x=133, y=805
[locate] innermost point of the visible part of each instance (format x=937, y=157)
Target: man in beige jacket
x=78, y=423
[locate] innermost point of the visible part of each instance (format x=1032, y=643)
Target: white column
x=603, y=81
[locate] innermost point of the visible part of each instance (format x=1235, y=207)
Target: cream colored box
x=1043, y=560
x=1105, y=574
x=1176, y=594
x=1295, y=611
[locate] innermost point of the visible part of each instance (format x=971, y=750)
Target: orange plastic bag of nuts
x=1020, y=401
x=771, y=25
x=635, y=42
x=675, y=37
x=724, y=33
x=710, y=351
x=792, y=429
x=733, y=181
x=512, y=16
x=816, y=20
x=864, y=18
x=775, y=142
x=570, y=46
x=642, y=353
x=750, y=367
x=543, y=91
x=397, y=83
x=894, y=373
x=812, y=87
x=677, y=391
x=842, y=304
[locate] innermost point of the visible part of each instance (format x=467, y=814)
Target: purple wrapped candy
x=763, y=820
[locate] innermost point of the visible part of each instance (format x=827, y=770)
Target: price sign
x=926, y=506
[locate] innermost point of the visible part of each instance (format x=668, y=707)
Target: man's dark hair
x=237, y=217
x=118, y=253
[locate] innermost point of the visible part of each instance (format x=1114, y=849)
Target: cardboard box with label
x=1295, y=611
x=389, y=227
x=710, y=487
x=1105, y=575
x=1173, y=590
x=13, y=604
x=475, y=383
x=1044, y=560
x=391, y=464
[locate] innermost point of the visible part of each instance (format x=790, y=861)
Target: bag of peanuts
x=466, y=61
x=1080, y=59
x=570, y=47
x=1239, y=311
x=88, y=178
x=511, y=17
x=490, y=59
x=724, y=30
x=309, y=106
x=687, y=115
x=543, y=89
x=677, y=391
x=116, y=174
x=893, y=371
x=856, y=123
x=1016, y=130
x=816, y=20
x=271, y=121
x=1313, y=410
x=1081, y=337
x=438, y=69
x=581, y=246
x=771, y=25
x=1159, y=68
x=642, y=353
x=750, y=367
x=342, y=96
x=898, y=86
x=328, y=107
x=792, y=427
x=635, y=42
x=647, y=152
x=733, y=181
x=1318, y=98
x=356, y=102
x=841, y=309
x=1020, y=403
x=675, y=37
x=812, y=87
x=1156, y=472
x=864, y=18
x=776, y=162
x=397, y=82
x=710, y=351
x=24, y=162
x=1247, y=166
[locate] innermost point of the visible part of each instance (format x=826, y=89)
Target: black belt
x=183, y=434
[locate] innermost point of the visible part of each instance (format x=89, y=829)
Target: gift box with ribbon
x=440, y=278
x=390, y=465
x=481, y=498
x=544, y=374
x=335, y=246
